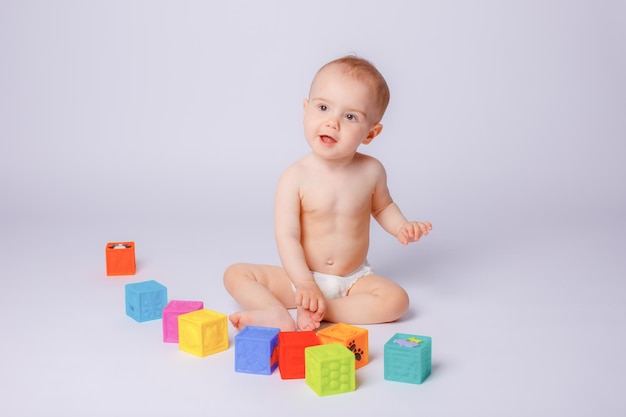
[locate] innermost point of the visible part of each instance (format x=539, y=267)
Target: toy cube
x=170, y=317
x=256, y=350
x=354, y=338
x=330, y=369
x=408, y=358
x=145, y=300
x=202, y=332
x=291, y=347
x=120, y=258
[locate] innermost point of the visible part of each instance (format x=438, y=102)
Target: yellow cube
x=354, y=338
x=202, y=332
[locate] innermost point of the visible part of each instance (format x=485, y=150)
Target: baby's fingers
x=307, y=302
x=311, y=305
x=422, y=229
x=321, y=308
x=403, y=237
x=414, y=232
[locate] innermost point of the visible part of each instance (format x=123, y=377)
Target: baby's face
x=340, y=114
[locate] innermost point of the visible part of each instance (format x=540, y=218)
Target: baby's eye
x=322, y=107
x=351, y=117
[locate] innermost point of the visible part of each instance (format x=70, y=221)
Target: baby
x=322, y=212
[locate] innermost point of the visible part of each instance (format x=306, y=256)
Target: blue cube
x=256, y=350
x=407, y=358
x=145, y=300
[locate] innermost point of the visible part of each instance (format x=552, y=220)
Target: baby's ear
x=374, y=131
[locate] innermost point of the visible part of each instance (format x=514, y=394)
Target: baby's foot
x=270, y=317
x=307, y=320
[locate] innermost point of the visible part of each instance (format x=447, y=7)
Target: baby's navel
x=330, y=262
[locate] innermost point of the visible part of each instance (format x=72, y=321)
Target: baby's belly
x=334, y=256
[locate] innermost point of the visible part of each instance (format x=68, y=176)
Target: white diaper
x=335, y=286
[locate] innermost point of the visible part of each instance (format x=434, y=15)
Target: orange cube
x=120, y=257
x=352, y=337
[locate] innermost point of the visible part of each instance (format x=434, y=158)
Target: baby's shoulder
x=368, y=162
x=297, y=168
x=368, y=159
x=294, y=173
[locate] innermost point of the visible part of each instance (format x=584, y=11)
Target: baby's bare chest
x=344, y=199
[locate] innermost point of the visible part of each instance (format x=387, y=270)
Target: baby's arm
x=388, y=214
x=287, y=231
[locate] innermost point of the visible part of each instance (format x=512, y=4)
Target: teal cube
x=329, y=369
x=145, y=300
x=407, y=358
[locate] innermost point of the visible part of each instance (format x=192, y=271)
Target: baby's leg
x=372, y=299
x=264, y=292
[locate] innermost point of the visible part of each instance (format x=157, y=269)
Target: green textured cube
x=329, y=369
x=407, y=358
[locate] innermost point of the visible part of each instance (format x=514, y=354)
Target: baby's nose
x=332, y=122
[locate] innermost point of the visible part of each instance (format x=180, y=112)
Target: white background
x=168, y=123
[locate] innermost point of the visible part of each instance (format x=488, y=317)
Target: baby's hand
x=310, y=297
x=413, y=231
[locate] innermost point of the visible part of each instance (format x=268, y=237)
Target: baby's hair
x=361, y=69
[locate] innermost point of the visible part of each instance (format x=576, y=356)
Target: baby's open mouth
x=327, y=139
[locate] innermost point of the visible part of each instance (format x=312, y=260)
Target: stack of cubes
x=326, y=360
x=197, y=330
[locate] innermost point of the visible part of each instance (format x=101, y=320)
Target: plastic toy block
x=256, y=350
x=291, y=347
x=120, y=258
x=408, y=358
x=202, y=332
x=330, y=369
x=354, y=338
x=145, y=300
x=170, y=317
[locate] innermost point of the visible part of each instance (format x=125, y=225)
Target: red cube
x=291, y=347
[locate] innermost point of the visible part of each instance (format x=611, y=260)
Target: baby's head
x=361, y=70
